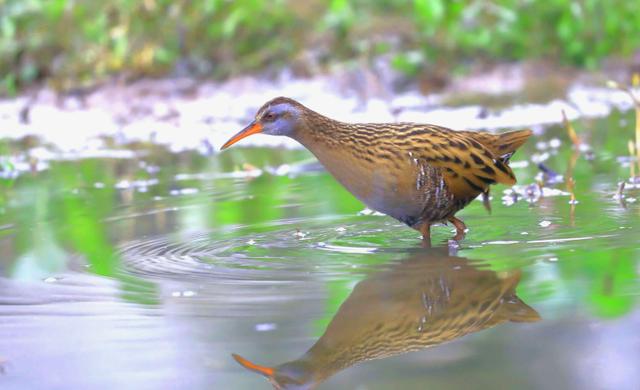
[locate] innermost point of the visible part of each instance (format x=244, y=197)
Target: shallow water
x=150, y=269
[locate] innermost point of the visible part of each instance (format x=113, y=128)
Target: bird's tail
x=502, y=145
x=507, y=143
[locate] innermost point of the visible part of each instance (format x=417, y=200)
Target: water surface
x=141, y=268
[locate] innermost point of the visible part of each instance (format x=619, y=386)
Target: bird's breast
x=393, y=187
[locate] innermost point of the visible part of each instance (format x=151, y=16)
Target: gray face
x=279, y=119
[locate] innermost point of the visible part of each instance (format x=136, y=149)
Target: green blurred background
x=73, y=43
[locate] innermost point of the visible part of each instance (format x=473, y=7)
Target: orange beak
x=253, y=128
x=266, y=371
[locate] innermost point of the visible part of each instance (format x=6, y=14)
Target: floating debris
x=555, y=143
x=540, y=157
x=542, y=145
x=545, y=224
x=282, y=170
x=571, y=183
x=549, y=176
x=184, y=294
x=531, y=193
x=619, y=195
x=510, y=198
x=184, y=191
x=519, y=164
x=266, y=327
x=368, y=211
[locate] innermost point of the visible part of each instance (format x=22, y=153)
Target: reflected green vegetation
x=91, y=206
x=260, y=244
x=76, y=43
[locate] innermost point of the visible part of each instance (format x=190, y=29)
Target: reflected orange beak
x=266, y=371
x=253, y=128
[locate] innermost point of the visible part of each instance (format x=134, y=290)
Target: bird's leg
x=425, y=230
x=460, y=228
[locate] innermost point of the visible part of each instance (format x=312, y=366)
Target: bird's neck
x=319, y=132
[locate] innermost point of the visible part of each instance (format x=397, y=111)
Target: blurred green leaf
x=71, y=41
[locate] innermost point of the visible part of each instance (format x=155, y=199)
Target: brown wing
x=467, y=165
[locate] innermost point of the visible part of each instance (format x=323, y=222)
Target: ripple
x=290, y=250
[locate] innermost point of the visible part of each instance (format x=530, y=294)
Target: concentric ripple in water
x=282, y=252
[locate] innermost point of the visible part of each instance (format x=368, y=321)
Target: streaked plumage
x=417, y=173
x=426, y=300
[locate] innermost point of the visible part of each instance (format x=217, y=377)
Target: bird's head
x=280, y=116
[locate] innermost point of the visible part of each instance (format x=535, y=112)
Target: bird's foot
x=461, y=228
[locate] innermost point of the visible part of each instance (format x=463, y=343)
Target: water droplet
x=251, y=242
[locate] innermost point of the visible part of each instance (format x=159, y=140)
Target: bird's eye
x=269, y=116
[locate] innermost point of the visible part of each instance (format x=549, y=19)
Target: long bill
x=253, y=128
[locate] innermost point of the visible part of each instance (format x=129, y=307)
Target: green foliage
x=574, y=32
x=77, y=41
x=73, y=42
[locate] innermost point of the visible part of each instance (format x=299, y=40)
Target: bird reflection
x=427, y=299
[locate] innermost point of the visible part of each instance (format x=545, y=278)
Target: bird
x=424, y=300
x=419, y=174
